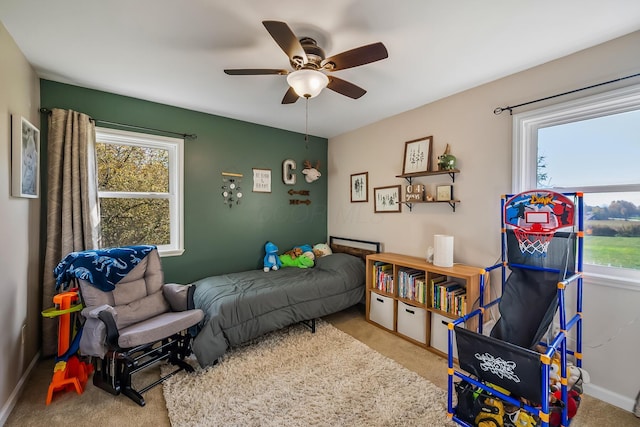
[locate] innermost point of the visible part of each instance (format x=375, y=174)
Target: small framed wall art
x=417, y=155
x=387, y=199
x=25, y=158
x=360, y=187
x=444, y=193
x=261, y=180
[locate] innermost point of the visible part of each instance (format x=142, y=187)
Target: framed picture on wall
x=261, y=180
x=360, y=187
x=387, y=199
x=25, y=158
x=417, y=155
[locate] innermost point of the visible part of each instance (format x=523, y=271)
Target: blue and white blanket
x=103, y=268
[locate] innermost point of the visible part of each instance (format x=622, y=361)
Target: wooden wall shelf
x=409, y=176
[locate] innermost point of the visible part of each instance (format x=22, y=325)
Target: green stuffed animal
x=302, y=261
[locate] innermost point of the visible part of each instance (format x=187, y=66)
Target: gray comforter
x=241, y=306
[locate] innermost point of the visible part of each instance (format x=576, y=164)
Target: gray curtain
x=72, y=202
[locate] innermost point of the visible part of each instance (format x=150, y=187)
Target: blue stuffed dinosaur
x=271, y=260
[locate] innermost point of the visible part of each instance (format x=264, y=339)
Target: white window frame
x=175, y=148
x=524, y=165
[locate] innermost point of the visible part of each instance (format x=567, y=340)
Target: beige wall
x=482, y=143
x=19, y=231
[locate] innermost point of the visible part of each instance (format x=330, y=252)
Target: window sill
x=170, y=252
x=611, y=281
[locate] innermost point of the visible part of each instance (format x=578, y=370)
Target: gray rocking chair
x=138, y=324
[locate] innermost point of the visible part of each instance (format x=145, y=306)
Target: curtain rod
x=499, y=110
x=184, y=135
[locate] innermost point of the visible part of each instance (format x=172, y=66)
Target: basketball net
x=534, y=243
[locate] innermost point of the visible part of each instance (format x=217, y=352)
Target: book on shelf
x=431, y=295
x=383, y=276
x=450, y=296
x=454, y=300
x=411, y=284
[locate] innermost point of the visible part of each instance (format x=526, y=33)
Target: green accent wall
x=218, y=239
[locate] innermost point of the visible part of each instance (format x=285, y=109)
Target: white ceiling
x=174, y=52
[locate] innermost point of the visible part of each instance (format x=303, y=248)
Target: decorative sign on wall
x=300, y=192
x=414, y=193
x=261, y=180
x=311, y=173
x=231, y=191
x=288, y=174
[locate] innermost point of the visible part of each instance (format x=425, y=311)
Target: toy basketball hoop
x=534, y=216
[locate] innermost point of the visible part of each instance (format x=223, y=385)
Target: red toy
x=555, y=418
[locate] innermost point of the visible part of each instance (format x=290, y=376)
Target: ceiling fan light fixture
x=307, y=83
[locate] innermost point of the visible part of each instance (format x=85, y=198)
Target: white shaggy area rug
x=295, y=378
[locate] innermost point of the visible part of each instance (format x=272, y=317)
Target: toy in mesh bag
x=466, y=409
x=519, y=418
x=477, y=407
x=491, y=412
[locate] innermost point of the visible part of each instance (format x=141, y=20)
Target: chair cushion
x=158, y=327
x=178, y=296
x=137, y=297
x=141, y=309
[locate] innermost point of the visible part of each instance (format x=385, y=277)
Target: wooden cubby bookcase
x=468, y=275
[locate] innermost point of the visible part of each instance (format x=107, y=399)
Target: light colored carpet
x=295, y=378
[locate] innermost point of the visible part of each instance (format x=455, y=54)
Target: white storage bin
x=381, y=310
x=412, y=322
x=439, y=335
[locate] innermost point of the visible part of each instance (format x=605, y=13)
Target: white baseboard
x=13, y=399
x=615, y=399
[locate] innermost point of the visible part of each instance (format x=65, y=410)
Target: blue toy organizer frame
x=537, y=361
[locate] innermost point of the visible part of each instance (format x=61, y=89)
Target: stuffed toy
x=322, y=249
x=304, y=248
x=299, y=250
x=302, y=261
x=271, y=260
x=294, y=253
x=573, y=401
x=575, y=376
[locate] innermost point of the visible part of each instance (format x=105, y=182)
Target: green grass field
x=612, y=251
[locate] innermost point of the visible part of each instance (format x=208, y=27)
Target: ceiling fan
x=308, y=77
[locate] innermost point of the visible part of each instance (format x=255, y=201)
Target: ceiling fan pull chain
x=306, y=122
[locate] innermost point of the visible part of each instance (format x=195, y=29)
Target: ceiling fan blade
x=290, y=97
x=287, y=41
x=356, y=57
x=255, y=71
x=345, y=88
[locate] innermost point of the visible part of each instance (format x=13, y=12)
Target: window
x=590, y=145
x=140, y=190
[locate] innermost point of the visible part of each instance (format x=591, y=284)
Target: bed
x=242, y=306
